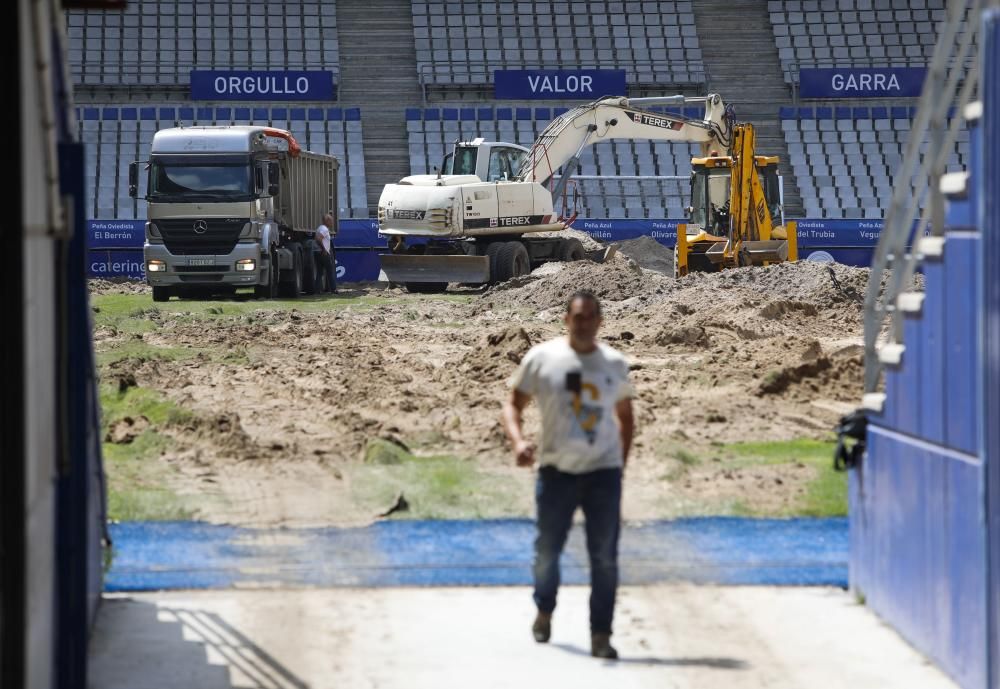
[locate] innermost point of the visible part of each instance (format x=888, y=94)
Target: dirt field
x=336, y=410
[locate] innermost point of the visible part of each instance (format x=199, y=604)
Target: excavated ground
x=282, y=407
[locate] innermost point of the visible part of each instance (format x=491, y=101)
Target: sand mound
x=649, y=254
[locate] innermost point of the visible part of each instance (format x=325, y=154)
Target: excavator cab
x=736, y=216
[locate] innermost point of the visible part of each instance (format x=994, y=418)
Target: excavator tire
x=493, y=250
x=571, y=250
x=512, y=261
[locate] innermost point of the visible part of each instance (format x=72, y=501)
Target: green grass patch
x=137, y=480
x=143, y=351
x=435, y=487
x=779, y=452
x=826, y=493
x=139, y=401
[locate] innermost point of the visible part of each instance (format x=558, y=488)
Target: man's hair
x=586, y=295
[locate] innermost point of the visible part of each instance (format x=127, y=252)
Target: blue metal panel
x=907, y=399
x=933, y=414
x=961, y=343
x=987, y=162
x=890, y=414
x=917, y=536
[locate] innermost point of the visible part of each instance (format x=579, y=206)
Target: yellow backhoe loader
x=736, y=216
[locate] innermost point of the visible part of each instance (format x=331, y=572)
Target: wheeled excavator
x=476, y=224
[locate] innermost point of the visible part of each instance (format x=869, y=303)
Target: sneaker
x=600, y=647
x=542, y=628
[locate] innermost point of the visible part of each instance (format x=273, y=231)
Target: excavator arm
x=562, y=142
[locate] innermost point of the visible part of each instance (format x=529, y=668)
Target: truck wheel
x=308, y=270
x=269, y=290
x=512, y=261
x=293, y=288
x=161, y=293
x=571, y=250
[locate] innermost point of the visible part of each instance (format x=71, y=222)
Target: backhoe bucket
x=758, y=252
x=434, y=268
x=770, y=251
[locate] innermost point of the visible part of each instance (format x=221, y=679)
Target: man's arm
x=626, y=426
x=513, y=408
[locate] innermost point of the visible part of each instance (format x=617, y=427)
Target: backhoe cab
x=736, y=216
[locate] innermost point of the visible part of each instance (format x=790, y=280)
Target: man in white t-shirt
x=585, y=400
x=325, y=258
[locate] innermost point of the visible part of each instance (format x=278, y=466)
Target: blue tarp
x=723, y=550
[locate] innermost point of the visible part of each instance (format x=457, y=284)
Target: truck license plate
x=201, y=261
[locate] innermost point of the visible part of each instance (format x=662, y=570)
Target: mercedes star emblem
x=200, y=226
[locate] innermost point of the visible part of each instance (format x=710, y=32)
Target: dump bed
x=308, y=189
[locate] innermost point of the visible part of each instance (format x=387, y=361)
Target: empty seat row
x=845, y=160
x=157, y=43
x=462, y=43
x=876, y=33
x=115, y=135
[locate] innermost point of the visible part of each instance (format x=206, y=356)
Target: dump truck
x=233, y=207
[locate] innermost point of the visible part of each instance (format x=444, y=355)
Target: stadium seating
x=460, y=43
x=155, y=43
x=845, y=159
x=663, y=167
x=116, y=135
x=828, y=33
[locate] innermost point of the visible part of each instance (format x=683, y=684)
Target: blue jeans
x=557, y=495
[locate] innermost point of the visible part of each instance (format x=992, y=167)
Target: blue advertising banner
x=116, y=245
x=562, y=84
x=352, y=266
x=276, y=85
x=861, y=82
x=838, y=233
x=811, y=233
x=357, y=266
x=359, y=233
x=663, y=231
x=115, y=234
x=111, y=263
x=130, y=234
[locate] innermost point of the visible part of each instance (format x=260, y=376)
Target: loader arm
x=750, y=219
x=562, y=142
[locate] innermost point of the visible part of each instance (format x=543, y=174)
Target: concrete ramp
x=679, y=636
